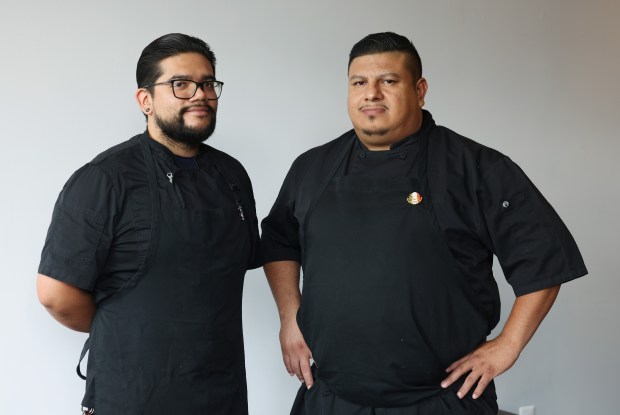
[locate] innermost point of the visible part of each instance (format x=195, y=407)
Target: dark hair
x=148, y=69
x=388, y=42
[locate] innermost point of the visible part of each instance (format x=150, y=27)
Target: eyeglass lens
x=186, y=89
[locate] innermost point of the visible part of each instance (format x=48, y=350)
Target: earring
x=147, y=110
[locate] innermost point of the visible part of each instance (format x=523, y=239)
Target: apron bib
x=173, y=342
x=384, y=308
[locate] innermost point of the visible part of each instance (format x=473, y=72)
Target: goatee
x=176, y=129
x=378, y=131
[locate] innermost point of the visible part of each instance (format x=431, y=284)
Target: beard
x=377, y=132
x=176, y=129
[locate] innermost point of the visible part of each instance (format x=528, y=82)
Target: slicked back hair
x=172, y=44
x=388, y=42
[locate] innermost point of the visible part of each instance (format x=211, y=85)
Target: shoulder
x=450, y=147
x=104, y=173
x=327, y=148
x=118, y=151
x=224, y=159
x=323, y=155
x=115, y=160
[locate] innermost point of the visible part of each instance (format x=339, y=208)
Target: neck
x=376, y=142
x=178, y=149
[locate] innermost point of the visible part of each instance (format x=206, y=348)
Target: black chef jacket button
x=403, y=155
x=362, y=155
x=505, y=204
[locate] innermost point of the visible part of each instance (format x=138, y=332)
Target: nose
x=200, y=94
x=373, y=92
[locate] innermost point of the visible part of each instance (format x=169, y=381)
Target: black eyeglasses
x=186, y=88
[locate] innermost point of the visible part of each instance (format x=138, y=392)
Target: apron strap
x=84, y=350
x=234, y=188
x=237, y=192
x=308, y=201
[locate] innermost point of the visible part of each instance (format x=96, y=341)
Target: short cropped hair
x=172, y=44
x=388, y=42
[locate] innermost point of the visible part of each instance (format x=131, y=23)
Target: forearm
x=494, y=357
x=283, y=278
x=69, y=305
x=526, y=315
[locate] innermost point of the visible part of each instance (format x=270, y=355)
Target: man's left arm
x=496, y=356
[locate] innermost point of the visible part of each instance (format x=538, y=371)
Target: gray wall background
x=537, y=80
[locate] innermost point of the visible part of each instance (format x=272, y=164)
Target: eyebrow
x=383, y=75
x=392, y=74
x=188, y=77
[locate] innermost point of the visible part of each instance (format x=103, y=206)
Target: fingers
x=458, y=363
x=295, y=353
x=306, y=372
x=469, y=382
x=480, y=377
x=288, y=365
x=296, y=366
x=481, y=373
x=456, y=370
x=488, y=361
x=299, y=365
x=482, y=385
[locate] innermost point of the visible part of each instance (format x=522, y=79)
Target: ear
x=421, y=87
x=145, y=101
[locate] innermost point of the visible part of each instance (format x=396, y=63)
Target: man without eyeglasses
x=395, y=224
x=148, y=247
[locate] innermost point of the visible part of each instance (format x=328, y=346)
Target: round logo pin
x=414, y=198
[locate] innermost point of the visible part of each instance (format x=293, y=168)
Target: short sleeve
x=280, y=229
x=532, y=244
x=80, y=234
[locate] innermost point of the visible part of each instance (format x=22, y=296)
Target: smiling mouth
x=199, y=110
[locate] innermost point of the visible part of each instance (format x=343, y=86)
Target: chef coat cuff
x=549, y=282
x=272, y=252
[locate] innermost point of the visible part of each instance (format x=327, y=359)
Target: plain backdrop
x=535, y=79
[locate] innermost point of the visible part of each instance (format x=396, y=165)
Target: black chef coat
x=104, y=239
x=95, y=242
x=481, y=201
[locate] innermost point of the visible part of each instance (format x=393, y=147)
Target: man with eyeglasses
x=395, y=224
x=148, y=247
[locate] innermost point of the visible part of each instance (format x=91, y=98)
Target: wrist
x=288, y=316
x=512, y=341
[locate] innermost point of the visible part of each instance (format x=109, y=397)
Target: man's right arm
x=69, y=305
x=77, y=245
x=283, y=277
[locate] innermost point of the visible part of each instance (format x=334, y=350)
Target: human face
x=385, y=102
x=186, y=122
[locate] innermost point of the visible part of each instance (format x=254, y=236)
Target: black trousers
x=320, y=400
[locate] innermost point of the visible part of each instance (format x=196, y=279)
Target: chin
x=198, y=125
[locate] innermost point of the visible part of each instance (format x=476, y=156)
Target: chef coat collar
x=162, y=152
x=427, y=123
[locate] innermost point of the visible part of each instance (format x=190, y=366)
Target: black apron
x=171, y=342
x=385, y=308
